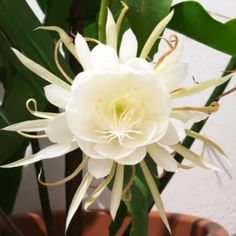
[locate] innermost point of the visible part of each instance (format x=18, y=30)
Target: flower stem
x=43, y=193
x=188, y=141
x=102, y=20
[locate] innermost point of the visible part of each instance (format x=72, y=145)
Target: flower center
x=121, y=120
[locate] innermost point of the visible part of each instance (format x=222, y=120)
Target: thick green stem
x=102, y=20
x=188, y=141
x=43, y=193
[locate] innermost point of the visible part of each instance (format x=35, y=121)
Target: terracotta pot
x=96, y=223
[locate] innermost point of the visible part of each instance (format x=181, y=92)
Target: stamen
x=121, y=16
x=67, y=77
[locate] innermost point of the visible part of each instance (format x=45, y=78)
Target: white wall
x=197, y=192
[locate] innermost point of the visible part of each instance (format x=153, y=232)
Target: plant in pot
x=109, y=95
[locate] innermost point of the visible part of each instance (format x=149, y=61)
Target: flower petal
x=134, y=158
x=40, y=71
x=155, y=193
x=57, y=95
x=116, y=192
x=100, y=168
x=155, y=34
x=29, y=126
x=102, y=55
x=58, y=131
x=88, y=149
x=193, y=157
x=200, y=87
x=113, y=150
x=83, y=51
x=174, y=134
x=162, y=157
x=78, y=197
x=111, y=30
x=49, y=152
x=128, y=47
x=173, y=76
x=189, y=117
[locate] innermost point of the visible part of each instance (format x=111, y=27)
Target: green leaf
x=144, y=15
x=37, y=45
x=57, y=12
x=43, y=4
x=192, y=20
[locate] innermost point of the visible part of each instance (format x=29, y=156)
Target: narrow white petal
x=116, y=192
x=49, y=152
x=193, y=157
x=200, y=87
x=134, y=158
x=155, y=34
x=78, y=197
x=102, y=55
x=189, y=117
x=83, y=51
x=174, y=134
x=155, y=193
x=128, y=47
x=29, y=126
x=162, y=157
x=58, y=131
x=111, y=30
x=40, y=71
x=56, y=95
x=173, y=76
x=99, y=168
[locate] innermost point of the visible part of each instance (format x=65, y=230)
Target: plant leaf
x=192, y=20
x=144, y=15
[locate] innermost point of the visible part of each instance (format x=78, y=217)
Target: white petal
x=116, y=192
x=40, y=71
x=58, y=131
x=100, y=168
x=113, y=150
x=83, y=51
x=78, y=197
x=173, y=76
x=162, y=157
x=174, y=134
x=128, y=47
x=88, y=149
x=193, y=157
x=111, y=30
x=200, y=87
x=57, y=95
x=102, y=55
x=189, y=117
x=29, y=126
x=134, y=158
x=139, y=64
x=155, y=34
x=49, y=152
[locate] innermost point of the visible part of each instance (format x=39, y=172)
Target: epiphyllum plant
x=116, y=111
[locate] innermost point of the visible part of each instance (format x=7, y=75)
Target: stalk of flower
x=116, y=111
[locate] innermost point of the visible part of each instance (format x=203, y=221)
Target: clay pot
x=97, y=223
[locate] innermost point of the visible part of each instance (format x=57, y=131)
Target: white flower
x=116, y=111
